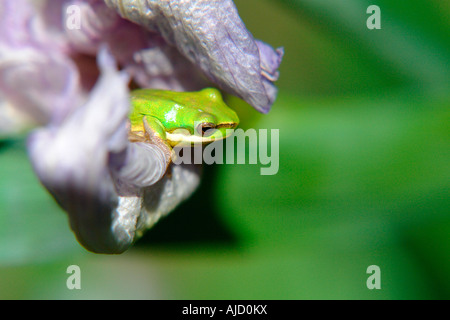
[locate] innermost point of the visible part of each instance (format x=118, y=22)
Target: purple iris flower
x=67, y=67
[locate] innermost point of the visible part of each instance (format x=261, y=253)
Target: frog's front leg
x=150, y=130
x=156, y=133
x=155, y=130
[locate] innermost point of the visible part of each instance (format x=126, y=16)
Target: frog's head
x=205, y=118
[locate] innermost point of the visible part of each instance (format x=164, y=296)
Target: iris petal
x=213, y=37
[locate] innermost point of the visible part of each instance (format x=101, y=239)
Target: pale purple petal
x=98, y=25
x=162, y=197
x=145, y=55
x=142, y=166
x=211, y=35
x=42, y=84
x=32, y=24
x=161, y=66
x=34, y=76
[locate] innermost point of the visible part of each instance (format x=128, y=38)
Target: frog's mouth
x=204, y=135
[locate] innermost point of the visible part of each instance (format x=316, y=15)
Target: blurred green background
x=363, y=179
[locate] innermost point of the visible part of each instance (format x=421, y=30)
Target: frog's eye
x=206, y=129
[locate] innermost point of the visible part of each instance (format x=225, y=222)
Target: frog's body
x=181, y=117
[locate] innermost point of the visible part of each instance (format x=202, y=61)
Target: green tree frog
x=180, y=118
